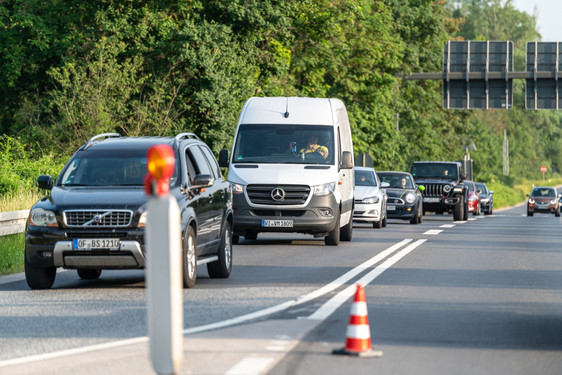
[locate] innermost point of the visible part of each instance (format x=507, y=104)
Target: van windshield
x=292, y=144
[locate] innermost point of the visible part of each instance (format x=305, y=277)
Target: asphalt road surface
x=443, y=297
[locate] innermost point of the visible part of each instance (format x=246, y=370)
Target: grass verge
x=11, y=253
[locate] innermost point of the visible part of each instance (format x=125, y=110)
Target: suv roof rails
x=181, y=136
x=99, y=138
x=187, y=135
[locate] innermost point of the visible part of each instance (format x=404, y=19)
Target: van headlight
x=324, y=189
x=42, y=218
x=370, y=200
x=237, y=188
x=410, y=197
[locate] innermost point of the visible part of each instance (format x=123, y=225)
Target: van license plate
x=277, y=223
x=96, y=244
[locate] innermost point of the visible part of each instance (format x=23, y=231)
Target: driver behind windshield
x=313, y=146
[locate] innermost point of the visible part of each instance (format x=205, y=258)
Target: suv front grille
x=433, y=190
x=97, y=218
x=293, y=194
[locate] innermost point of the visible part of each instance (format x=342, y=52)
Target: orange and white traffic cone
x=358, y=335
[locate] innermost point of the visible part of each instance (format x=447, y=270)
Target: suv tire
x=39, y=278
x=223, y=266
x=88, y=274
x=189, y=256
x=458, y=211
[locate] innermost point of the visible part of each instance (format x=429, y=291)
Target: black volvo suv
x=95, y=214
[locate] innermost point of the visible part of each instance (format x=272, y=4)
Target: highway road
x=476, y=297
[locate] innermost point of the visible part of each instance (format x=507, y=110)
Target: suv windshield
x=435, y=170
x=294, y=144
x=107, y=169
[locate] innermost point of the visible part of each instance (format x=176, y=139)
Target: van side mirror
x=346, y=160
x=45, y=182
x=463, y=176
x=223, y=158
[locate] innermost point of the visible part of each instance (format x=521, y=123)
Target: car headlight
x=237, y=188
x=142, y=219
x=553, y=201
x=42, y=218
x=370, y=200
x=472, y=199
x=484, y=200
x=410, y=197
x=531, y=201
x=324, y=189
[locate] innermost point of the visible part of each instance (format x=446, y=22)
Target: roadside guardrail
x=13, y=222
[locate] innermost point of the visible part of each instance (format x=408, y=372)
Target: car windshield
x=543, y=192
x=107, y=169
x=396, y=181
x=435, y=170
x=365, y=178
x=292, y=144
x=482, y=188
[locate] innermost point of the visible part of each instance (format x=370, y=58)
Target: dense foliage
x=72, y=69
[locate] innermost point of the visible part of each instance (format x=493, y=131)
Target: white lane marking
x=472, y=219
x=68, y=352
x=226, y=323
x=447, y=226
x=307, y=297
x=336, y=301
x=272, y=348
x=250, y=366
x=433, y=232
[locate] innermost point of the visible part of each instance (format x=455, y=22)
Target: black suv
x=444, y=189
x=95, y=214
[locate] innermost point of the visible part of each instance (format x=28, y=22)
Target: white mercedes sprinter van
x=291, y=168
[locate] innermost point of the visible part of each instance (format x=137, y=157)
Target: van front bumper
x=317, y=218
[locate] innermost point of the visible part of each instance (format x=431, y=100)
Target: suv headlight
x=531, y=201
x=370, y=200
x=42, y=218
x=142, y=219
x=324, y=189
x=410, y=197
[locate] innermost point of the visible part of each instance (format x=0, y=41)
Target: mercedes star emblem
x=278, y=194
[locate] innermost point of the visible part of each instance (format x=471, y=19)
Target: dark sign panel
x=476, y=74
x=542, y=88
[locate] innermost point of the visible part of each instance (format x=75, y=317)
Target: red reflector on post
x=160, y=165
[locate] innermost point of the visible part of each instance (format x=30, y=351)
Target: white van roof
x=305, y=111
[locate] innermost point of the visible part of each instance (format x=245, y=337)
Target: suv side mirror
x=202, y=181
x=346, y=160
x=223, y=158
x=45, y=182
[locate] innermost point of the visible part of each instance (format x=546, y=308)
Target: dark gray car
x=486, y=198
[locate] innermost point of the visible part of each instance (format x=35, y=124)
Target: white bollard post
x=163, y=274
